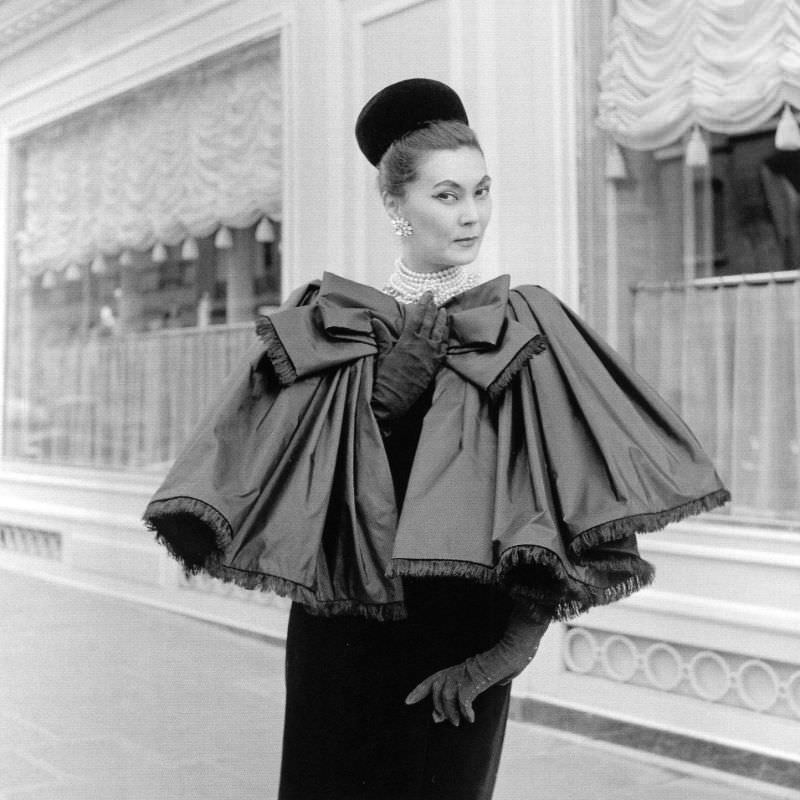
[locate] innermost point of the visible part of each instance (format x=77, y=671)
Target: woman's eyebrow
x=456, y=185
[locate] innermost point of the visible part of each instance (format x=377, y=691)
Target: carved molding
x=760, y=685
x=31, y=541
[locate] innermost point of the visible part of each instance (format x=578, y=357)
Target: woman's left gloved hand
x=454, y=689
x=404, y=369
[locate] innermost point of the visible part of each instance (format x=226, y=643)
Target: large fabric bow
x=486, y=347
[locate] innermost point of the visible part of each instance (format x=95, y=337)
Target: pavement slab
x=106, y=699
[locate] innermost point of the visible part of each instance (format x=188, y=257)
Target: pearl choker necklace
x=409, y=286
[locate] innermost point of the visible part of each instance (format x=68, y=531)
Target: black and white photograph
x=400, y=399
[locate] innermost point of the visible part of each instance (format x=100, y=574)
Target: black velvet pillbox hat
x=401, y=108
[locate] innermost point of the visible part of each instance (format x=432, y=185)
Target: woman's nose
x=469, y=213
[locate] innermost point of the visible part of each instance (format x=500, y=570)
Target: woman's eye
x=483, y=191
x=446, y=196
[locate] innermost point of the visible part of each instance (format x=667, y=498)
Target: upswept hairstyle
x=401, y=161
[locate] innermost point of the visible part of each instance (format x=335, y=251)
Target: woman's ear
x=392, y=205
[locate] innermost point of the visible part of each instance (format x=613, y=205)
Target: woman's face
x=448, y=206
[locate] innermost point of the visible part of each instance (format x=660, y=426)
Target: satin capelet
x=542, y=455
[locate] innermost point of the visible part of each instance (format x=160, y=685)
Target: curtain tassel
x=190, y=251
x=615, y=163
x=72, y=273
x=787, y=134
x=224, y=239
x=159, y=253
x=99, y=266
x=48, y=280
x=125, y=258
x=265, y=232
x=696, y=149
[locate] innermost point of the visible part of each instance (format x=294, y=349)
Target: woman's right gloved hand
x=454, y=689
x=405, y=368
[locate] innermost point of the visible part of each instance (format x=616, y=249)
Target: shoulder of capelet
x=541, y=457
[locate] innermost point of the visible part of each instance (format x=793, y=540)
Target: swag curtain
x=726, y=358
x=175, y=159
x=725, y=65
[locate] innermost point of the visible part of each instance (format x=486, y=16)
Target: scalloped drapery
x=725, y=65
x=171, y=160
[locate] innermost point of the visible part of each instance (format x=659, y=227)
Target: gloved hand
x=454, y=689
x=405, y=370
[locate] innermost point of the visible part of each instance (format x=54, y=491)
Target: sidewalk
x=103, y=699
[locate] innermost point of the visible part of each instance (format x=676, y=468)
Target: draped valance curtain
x=726, y=66
x=172, y=160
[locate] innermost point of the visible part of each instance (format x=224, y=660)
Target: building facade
x=168, y=170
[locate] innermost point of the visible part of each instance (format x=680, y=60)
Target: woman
x=432, y=473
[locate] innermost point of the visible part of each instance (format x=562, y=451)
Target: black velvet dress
x=348, y=734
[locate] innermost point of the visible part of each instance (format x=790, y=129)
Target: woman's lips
x=466, y=240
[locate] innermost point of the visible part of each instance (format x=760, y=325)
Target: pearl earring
x=402, y=227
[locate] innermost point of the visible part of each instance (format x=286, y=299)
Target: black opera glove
x=405, y=369
x=454, y=689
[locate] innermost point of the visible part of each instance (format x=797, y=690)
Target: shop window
x=692, y=271
x=714, y=314
x=99, y=363
x=149, y=238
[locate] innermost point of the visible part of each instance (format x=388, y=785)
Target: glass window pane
x=113, y=355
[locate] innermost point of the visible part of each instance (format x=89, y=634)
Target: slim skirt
x=348, y=734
